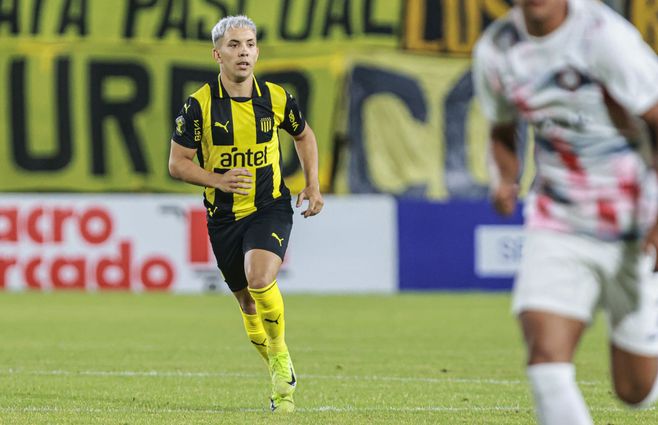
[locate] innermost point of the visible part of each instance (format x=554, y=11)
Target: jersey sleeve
x=488, y=86
x=188, y=125
x=293, y=121
x=627, y=67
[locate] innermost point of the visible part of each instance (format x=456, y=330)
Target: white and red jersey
x=581, y=88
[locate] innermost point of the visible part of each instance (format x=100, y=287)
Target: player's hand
x=504, y=198
x=315, y=201
x=236, y=180
x=650, y=244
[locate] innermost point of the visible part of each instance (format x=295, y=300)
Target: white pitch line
x=183, y=374
x=320, y=409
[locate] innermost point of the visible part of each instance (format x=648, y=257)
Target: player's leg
x=265, y=244
x=549, y=337
x=635, y=377
x=226, y=241
x=632, y=307
x=261, y=268
x=554, y=295
x=252, y=322
x=551, y=341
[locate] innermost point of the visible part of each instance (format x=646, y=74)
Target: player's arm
x=183, y=167
x=502, y=118
x=505, y=188
x=307, y=150
x=306, y=146
x=651, y=119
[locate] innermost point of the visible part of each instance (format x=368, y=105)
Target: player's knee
x=258, y=280
x=540, y=352
x=633, y=393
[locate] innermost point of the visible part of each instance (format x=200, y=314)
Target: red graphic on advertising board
x=199, y=247
x=93, y=228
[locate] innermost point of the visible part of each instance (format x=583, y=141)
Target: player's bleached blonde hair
x=227, y=22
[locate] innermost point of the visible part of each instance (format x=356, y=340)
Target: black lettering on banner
x=202, y=28
x=451, y=26
x=341, y=19
x=180, y=77
x=174, y=19
x=371, y=82
x=460, y=183
x=74, y=13
x=123, y=111
x=10, y=16
x=369, y=25
x=432, y=22
x=36, y=17
x=301, y=88
x=135, y=7
x=284, y=21
x=20, y=138
x=423, y=25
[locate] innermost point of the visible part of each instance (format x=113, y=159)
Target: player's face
x=541, y=11
x=237, y=53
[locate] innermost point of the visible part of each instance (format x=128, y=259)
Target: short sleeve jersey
x=581, y=88
x=239, y=133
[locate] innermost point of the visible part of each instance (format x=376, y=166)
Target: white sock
x=558, y=400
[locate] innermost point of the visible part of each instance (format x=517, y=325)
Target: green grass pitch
x=72, y=358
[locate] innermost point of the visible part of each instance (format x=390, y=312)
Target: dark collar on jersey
x=221, y=92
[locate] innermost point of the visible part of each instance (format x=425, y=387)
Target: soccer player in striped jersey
x=585, y=81
x=231, y=125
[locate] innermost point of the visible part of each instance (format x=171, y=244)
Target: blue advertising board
x=457, y=245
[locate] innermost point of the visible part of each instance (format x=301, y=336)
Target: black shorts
x=268, y=229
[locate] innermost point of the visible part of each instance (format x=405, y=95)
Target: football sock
x=558, y=400
x=256, y=333
x=269, y=305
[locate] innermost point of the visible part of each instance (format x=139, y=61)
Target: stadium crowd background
x=92, y=89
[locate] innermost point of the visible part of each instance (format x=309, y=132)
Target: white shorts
x=571, y=275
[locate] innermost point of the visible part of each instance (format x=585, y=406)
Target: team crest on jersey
x=266, y=124
x=180, y=125
x=571, y=79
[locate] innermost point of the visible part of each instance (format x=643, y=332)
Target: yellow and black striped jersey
x=239, y=133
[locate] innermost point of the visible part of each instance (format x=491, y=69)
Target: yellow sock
x=269, y=305
x=256, y=333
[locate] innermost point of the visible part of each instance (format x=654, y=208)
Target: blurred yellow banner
x=91, y=89
x=83, y=118
x=93, y=86
x=280, y=22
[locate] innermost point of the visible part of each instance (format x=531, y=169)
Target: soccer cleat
x=283, y=374
x=282, y=404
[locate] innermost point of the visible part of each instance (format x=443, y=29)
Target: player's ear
x=216, y=55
